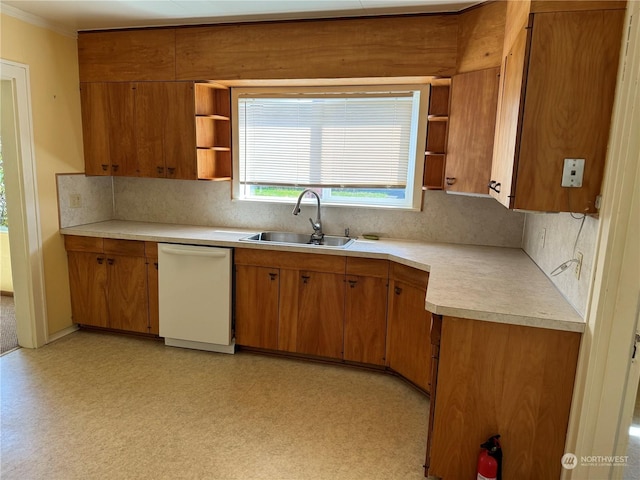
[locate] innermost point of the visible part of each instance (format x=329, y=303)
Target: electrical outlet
x=578, y=265
x=543, y=236
x=75, y=200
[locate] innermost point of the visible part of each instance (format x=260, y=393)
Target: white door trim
x=25, y=237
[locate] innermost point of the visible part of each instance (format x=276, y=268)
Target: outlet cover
x=572, y=172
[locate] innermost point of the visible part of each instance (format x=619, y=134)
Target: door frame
x=25, y=237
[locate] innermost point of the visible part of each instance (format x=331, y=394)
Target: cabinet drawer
x=83, y=244
x=367, y=267
x=132, y=248
x=289, y=260
x=410, y=275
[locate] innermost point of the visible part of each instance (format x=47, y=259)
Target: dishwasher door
x=194, y=287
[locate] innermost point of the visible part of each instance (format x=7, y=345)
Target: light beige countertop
x=482, y=283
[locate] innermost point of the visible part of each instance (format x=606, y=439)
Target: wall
x=55, y=103
x=561, y=230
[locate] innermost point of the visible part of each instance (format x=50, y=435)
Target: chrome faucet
x=317, y=235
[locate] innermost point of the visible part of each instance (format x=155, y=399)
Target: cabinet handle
x=105, y=167
x=171, y=170
x=273, y=276
x=155, y=264
x=352, y=283
x=451, y=180
x=160, y=169
x=398, y=290
x=100, y=260
x=114, y=167
x=305, y=278
x=110, y=261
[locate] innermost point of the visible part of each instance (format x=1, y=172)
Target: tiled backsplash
x=560, y=232
x=445, y=218
x=94, y=197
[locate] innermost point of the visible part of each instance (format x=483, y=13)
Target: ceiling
x=75, y=15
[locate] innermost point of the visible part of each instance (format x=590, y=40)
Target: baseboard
x=6, y=293
x=62, y=333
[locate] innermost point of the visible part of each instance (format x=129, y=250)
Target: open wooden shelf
x=213, y=131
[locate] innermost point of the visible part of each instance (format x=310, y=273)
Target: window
x=353, y=146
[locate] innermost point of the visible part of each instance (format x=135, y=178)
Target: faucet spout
x=317, y=234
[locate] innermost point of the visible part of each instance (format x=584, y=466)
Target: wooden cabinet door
x=408, y=343
x=508, y=121
x=179, y=130
x=94, y=98
x=320, y=325
x=121, y=128
x=365, y=320
x=472, y=119
x=88, y=284
x=257, y=291
x=152, y=285
x=127, y=293
x=150, y=111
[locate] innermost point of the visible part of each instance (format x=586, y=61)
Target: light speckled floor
x=93, y=406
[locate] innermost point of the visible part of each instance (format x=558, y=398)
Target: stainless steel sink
x=289, y=238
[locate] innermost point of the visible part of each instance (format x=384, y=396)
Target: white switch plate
x=75, y=200
x=572, y=172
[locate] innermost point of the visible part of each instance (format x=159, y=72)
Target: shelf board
x=437, y=118
x=217, y=149
x=214, y=117
x=434, y=153
x=215, y=179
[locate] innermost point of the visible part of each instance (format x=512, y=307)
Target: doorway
x=25, y=240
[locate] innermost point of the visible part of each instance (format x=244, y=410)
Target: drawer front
x=410, y=275
x=131, y=248
x=83, y=244
x=289, y=260
x=368, y=267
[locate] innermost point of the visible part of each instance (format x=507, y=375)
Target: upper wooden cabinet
x=127, y=55
x=472, y=120
x=556, y=95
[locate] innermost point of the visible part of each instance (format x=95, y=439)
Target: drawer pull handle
x=160, y=169
x=451, y=180
x=171, y=170
x=100, y=260
x=305, y=278
x=110, y=261
x=114, y=167
x=398, y=290
x=352, y=283
x=273, y=276
x=105, y=167
x=155, y=264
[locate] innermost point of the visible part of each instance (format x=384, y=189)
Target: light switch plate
x=572, y=172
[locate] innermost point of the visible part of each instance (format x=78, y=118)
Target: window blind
x=357, y=141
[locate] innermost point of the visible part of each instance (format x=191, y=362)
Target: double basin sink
x=289, y=238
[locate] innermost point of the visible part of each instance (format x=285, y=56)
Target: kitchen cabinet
x=165, y=129
x=108, y=280
x=151, y=255
x=472, y=119
x=256, y=306
x=409, y=325
x=109, y=128
x=365, y=318
x=556, y=93
x=213, y=131
x=495, y=378
x=436, y=142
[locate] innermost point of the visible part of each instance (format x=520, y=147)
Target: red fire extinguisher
x=490, y=460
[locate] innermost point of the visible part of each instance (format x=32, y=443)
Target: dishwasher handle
x=201, y=252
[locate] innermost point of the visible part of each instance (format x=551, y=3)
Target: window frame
x=414, y=178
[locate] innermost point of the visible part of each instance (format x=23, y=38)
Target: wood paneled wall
x=480, y=37
x=371, y=47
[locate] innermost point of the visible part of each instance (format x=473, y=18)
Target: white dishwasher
x=194, y=287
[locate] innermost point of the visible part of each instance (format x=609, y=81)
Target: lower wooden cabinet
x=256, y=306
x=409, y=325
x=109, y=283
x=151, y=254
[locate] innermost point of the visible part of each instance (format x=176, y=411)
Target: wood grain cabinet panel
x=408, y=342
x=151, y=255
x=88, y=285
x=127, y=55
x=128, y=293
x=94, y=98
x=256, y=306
x=502, y=379
x=472, y=120
x=555, y=102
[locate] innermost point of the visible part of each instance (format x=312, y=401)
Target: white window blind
x=333, y=140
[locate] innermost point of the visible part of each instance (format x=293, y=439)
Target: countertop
x=476, y=282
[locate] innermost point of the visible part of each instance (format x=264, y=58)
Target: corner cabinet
x=557, y=86
x=436, y=143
